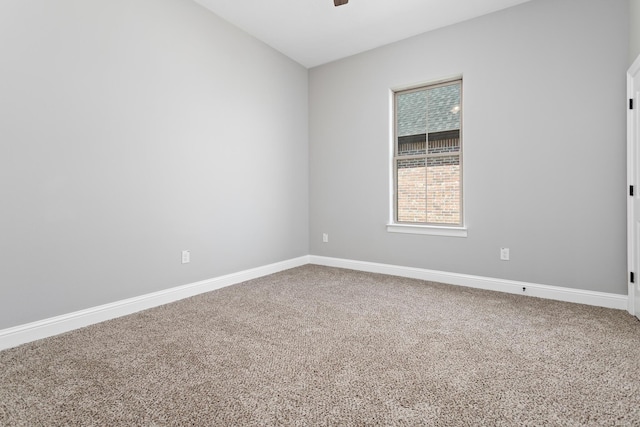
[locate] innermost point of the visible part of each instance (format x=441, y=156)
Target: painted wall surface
x=543, y=137
x=131, y=130
x=634, y=21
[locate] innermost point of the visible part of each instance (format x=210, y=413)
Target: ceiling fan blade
x=340, y=2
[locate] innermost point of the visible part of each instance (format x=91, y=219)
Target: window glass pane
x=412, y=145
x=427, y=154
x=444, y=142
x=443, y=190
x=411, y=190
x=443, y=110
x=411, y=113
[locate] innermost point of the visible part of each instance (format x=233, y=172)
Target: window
x=428, y=155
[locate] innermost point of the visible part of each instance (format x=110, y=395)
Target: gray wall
x=544, y=140
x=133, y=129
x=634, y=37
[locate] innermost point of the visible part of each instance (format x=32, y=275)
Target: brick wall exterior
x=412, y=195
x=443, y=189
x=429, y=194
x=442, y=185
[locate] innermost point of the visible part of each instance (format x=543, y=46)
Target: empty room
x=319, y=212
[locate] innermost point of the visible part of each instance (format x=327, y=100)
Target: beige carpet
x=322, y=346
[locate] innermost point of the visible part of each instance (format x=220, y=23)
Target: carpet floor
x=319, y=346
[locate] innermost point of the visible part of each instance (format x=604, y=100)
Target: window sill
x=428, y=230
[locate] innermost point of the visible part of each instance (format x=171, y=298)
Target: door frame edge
x=633, y=69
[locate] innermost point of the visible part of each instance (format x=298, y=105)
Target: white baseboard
x=17, y=335
x=600, y=299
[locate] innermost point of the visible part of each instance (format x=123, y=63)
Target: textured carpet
x=323, y=346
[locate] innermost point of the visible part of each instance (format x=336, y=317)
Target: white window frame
x=393, y=226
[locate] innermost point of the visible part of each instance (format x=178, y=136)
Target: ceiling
x=314, y=32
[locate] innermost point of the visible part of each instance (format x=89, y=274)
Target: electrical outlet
x=325, y=237
x=504, y=254
x=186, y=257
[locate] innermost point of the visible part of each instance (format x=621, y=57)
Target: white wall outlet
x=186, y=257
x=504, y=254
x=325, y=237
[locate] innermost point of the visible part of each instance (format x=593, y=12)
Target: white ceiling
x=314, y=32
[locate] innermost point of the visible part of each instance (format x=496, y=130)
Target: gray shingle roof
x=433, y=104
